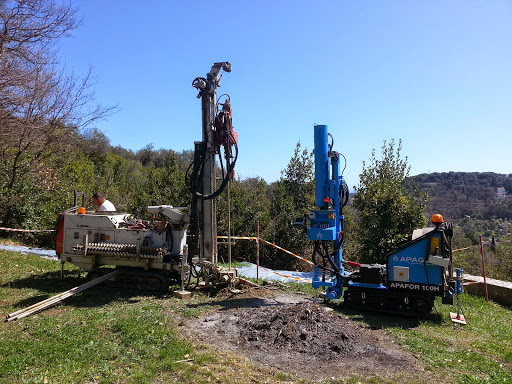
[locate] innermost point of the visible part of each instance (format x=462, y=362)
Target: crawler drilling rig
x=153, y=252
x=414, y=273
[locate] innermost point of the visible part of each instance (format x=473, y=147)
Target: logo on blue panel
x=409, y=259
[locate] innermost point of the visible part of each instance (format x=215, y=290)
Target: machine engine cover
x=372, y=273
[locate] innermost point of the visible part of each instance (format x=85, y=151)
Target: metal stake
x=229, y=224
x=257, y=252
x=483, y=268
x=458, y=317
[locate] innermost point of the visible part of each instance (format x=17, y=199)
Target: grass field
x=116, y=336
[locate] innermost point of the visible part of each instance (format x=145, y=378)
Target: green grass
x=84, y=340
x=104, y=335
x=234, y=264
x=113, y=336
x=478, y=352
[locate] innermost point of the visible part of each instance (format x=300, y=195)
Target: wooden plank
x=47, y=303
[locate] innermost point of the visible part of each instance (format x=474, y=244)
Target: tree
x=146, y=155
x=388, y=210
x=42, y=108
x=159, y=186
x=249, y=204
x=293, y=196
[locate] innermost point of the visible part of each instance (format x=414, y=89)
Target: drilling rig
x=219, y=139
x=414, y=273
x=179, y=242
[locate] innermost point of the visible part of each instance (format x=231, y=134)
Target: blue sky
x=436, y=74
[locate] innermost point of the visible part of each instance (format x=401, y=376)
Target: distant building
x=504, y=227
x=500, y=193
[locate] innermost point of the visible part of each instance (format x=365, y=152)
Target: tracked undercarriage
x=399, y=302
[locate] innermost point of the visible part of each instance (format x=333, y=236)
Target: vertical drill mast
x=326, y=223
x=216, y=132
x=208, y=208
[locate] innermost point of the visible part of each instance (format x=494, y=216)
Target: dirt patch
x=294, y=335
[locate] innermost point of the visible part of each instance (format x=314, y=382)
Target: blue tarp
x=246, y=270
x=46, y=253
x=249, y=270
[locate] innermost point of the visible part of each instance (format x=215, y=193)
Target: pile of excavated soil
x=304, y=328
x=296, y=336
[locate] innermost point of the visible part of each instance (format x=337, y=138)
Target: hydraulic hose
x=327, y=257
x=193, y=178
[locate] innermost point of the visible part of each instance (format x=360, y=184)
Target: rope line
x=269, y=243
x=288, y=252
x=463, y=249
x=287, y=276
x=238, y=237
x=26, y=230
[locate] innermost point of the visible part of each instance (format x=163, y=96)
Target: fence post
x=483, y=268
x=229, y=226
x=257, y=251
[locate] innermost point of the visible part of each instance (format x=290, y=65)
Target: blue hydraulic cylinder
x=322, y=163
x=336, y=203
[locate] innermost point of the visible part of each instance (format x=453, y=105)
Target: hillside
x=460, y=194
x=470, y=201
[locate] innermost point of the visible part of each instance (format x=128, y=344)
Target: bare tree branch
x=42, y=108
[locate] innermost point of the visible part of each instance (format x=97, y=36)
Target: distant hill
x=457, y=195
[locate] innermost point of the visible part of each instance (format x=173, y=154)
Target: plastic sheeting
x=249, y=270
x=246, y=270
x=46, y=253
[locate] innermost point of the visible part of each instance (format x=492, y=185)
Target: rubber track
x=405, y=303
x=133, y=278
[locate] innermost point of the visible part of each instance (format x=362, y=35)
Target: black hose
x=344, y=195
x=193, y=273
x=326, y=258
x=193, y=179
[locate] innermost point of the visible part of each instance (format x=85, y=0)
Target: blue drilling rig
x=414, y=273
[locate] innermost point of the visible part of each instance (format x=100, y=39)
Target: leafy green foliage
x=388, y=211
x=470, y=201
x=160, y=186
x=43, y=110
x=293, y=196
x=249, y=204
x=498, y=260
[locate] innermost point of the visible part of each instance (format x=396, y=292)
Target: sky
x=435, y=74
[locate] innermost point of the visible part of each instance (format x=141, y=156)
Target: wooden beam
x=45, y=304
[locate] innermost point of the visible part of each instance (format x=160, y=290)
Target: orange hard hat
x=437, y=219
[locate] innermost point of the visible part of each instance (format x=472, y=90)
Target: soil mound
x=302, y=338
x=308, y=329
